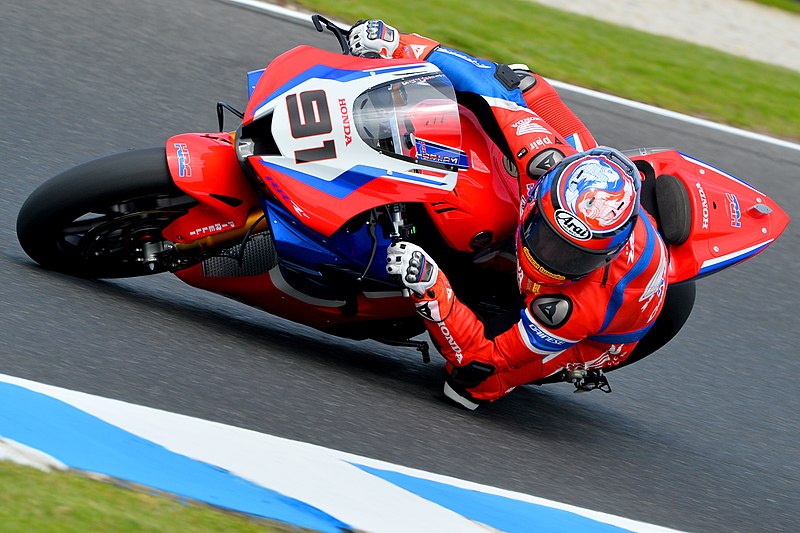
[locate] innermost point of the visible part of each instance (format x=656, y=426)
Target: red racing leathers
x=592, y=323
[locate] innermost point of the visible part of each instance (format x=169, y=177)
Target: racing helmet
x=578, y=216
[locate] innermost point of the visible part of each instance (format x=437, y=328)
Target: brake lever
x=321, y=24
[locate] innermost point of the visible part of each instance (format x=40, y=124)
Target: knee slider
x=472, y=374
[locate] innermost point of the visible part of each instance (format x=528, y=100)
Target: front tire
x=102, y=218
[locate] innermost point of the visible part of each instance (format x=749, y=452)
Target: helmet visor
x=554, y=254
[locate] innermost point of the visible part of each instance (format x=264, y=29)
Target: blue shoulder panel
x=473, y=75
x=537, y=338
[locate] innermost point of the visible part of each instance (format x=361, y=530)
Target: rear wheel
x=104, y=218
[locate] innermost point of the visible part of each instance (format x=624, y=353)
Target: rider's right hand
x=417, y=270
x=373, y=38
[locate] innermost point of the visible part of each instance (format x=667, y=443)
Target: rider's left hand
x=373, y=38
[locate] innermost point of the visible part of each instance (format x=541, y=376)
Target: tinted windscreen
x=414, y=118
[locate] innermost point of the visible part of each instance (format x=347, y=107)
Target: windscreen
x=415, y=119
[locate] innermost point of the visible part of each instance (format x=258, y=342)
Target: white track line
x=329, y=480
x=305, y=17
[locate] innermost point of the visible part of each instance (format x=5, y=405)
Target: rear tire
x=94, y=219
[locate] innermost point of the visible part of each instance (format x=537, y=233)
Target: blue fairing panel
x=301, y=246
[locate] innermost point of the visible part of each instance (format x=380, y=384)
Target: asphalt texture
x=701, y=436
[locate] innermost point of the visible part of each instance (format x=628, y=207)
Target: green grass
x=786, y=5
x=656, y=70
x=31, y=500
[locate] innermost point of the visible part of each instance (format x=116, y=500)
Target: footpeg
x=420, y=346
x=588, y=380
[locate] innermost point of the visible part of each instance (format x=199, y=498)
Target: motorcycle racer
x=590, y=264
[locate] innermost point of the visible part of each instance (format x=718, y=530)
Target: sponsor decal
x=424, y=309
x=299, y=211
x=465, y=57
x=553, y=342
x=631, y=248
x=429, y=310
x=552, y=311
x=184, y=160
x=525, y=284
x=348, y=132
x=529, y=125
x=439, y=153
x=212, y=228
x=572, y=225
x=733, y=208
x=610, y=358
x=421, y=79
x=419, y=50
x=277, y=188
x=540, y=142
x=703, y=203
x=531, y=287
x=539, y=268
x=451, y=341
x=599, y=192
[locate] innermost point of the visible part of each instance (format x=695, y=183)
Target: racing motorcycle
x=336, y=157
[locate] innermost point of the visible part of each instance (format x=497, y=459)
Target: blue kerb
x=504, y=514
x=85, y=442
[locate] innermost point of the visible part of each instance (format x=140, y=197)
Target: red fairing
x=325, y=213
x=204, y=166
x=322, y=168
x=297, y=61
x=485, y=200
x=269, y=292
x=731, y=220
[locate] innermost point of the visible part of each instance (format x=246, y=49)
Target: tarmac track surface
x=702, y=436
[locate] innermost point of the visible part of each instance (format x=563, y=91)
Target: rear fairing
x=731, y=220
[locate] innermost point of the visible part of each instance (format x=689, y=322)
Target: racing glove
x=430, y=288
x=373, y=38
x=376, y=39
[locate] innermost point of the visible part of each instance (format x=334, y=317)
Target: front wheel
x=104, y=218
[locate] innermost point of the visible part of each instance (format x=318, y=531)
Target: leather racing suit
x=592, y=323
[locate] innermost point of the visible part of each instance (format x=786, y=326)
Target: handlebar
x=321, y=23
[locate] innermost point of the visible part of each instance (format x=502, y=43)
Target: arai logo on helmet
x=572, y=225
